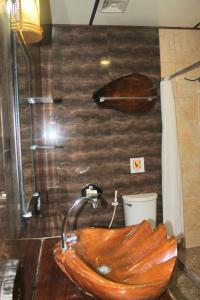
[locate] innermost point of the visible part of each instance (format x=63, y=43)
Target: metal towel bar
x=35, y=147
x=40, y=100
x=149, y=98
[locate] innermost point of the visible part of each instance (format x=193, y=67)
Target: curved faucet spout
x=68, y=237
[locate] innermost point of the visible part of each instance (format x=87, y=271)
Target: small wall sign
x=137, y=165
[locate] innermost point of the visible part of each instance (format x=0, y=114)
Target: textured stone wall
x=98, y=143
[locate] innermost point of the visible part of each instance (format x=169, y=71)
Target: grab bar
x=41, y=100
x=149, y=98
x=35, y=147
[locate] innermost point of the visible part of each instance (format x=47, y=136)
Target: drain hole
x=104, y=269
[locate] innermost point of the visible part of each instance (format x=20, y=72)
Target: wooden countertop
x=52, y=284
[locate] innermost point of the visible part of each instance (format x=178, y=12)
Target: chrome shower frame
x=16, y=37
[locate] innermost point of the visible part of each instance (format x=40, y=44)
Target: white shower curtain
x=171, y=171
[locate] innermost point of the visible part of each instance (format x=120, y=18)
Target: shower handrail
x=182, y=71
x=45, y=147
x=41, y=100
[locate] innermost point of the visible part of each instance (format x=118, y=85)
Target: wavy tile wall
x=99, y=143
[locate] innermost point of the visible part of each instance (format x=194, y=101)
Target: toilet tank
x=140, y=207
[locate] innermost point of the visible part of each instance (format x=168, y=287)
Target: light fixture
x=105, y=62
x=26, y=20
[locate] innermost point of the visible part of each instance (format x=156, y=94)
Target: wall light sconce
x=26, y=20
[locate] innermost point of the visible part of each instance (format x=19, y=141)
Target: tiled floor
x=182, y=287
x=185, y=284
x=190, y=258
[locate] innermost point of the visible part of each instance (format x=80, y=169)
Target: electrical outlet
x=137, y=165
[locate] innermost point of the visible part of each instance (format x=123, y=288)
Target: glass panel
x=9, y=201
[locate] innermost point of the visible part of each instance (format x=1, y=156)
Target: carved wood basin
x=130, y=263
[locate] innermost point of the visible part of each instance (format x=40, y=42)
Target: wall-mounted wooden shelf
x=129, y=94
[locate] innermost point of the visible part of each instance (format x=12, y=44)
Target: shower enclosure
x=17, y=161
x=33, y=137
x=10, y=211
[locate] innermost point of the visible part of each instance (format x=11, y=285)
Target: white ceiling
x=168, y=13
x=71, y=11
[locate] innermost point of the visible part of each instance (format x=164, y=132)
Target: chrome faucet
x=69, y=237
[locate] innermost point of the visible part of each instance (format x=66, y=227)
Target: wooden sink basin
x=130, y=263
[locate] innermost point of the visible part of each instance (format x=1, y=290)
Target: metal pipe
x=40, y=100
x=16, y=119
x=71, y=237
x=182, y=71
x=43, y=147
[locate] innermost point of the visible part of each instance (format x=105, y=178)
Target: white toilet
x=140, y=207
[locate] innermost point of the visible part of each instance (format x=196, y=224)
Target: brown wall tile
x=98, y=143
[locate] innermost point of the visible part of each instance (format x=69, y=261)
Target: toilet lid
x=140, y=197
